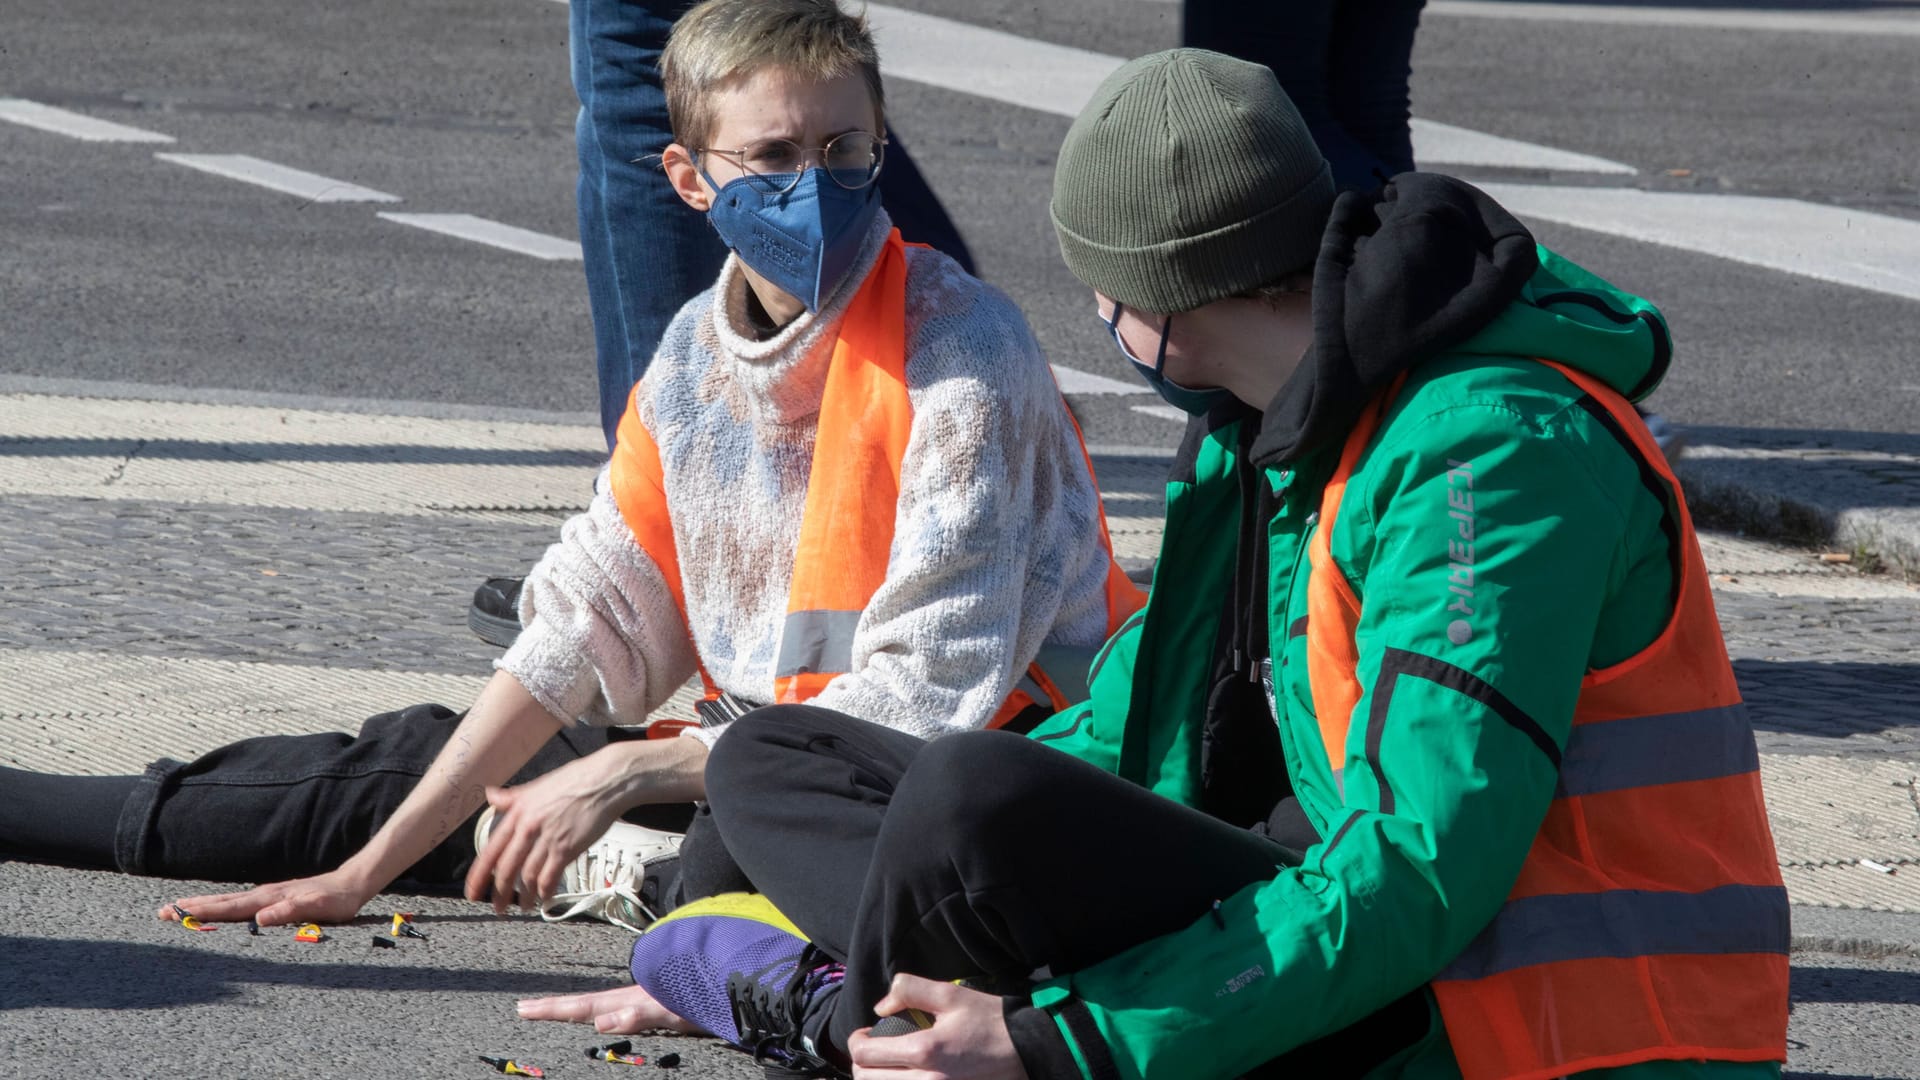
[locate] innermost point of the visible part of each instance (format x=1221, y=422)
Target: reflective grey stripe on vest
x=1624, y=923
x=1645, y=750
x=816, y=641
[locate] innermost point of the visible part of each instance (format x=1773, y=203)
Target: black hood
x=1404, y=273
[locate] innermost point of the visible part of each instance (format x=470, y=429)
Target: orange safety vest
x=1629, y=935
x=853, y=486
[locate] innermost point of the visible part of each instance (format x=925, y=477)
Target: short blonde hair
x=721, y=40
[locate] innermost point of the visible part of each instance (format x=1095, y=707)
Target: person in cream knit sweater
x=847, y=479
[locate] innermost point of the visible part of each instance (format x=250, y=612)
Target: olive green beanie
x=1189, y=177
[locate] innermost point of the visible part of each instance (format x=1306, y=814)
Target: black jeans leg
x=1341, y=62
x=982, y=854
x=1369, y=74
x=284, y=806
x=798, y=794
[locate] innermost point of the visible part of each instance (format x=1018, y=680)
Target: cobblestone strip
x=353, y=590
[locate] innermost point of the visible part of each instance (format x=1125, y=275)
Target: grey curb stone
x=1855, y=491
x=1849, y=932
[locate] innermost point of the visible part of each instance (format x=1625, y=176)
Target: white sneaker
x=604, y=882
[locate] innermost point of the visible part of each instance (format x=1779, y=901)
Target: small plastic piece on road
x=616, y=1053
x=512, y=1067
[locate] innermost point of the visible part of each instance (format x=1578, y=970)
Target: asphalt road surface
x=1789, y=268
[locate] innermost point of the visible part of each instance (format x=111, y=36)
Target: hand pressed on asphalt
x=541, y=826
x=327, y=898
x=624, y=1010
x=968, y=1039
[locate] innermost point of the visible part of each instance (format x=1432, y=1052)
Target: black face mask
x=1195, y=400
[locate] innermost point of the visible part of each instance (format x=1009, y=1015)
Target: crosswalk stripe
x=290, y=181
x=72, y=124
x=1829, y=243
x=1163, y=412
x=1849, y=247
x=493, y=234
x=1073, y=381
x=1445, y=144
x=1877, y=22
x=1060, y=79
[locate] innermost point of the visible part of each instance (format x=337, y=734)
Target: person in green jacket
x=1198, y=872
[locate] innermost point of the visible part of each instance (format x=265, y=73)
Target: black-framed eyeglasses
x=852, y=160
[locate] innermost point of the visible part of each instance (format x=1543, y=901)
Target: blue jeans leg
x=646, y=252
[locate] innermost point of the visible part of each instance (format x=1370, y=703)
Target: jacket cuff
x=1043, y=1050
x=707, y=735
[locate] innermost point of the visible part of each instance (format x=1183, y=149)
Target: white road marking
x=252, y=170
x=72, y=124
x=303, y=459
x=1061, y=80
x=1444, y=144
x=992, y=64
x=1081, y=382
x=493, y=233
x=1164, y=412
x=1811, y=22
x=1828, y=243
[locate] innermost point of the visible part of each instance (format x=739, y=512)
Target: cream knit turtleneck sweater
x=996, y=535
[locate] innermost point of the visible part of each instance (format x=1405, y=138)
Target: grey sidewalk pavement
x=214, y=570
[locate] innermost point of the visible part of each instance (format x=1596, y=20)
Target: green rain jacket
x=1203, y=695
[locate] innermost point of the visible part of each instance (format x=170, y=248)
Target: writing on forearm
x=453, y=809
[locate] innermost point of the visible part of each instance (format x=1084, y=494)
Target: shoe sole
x=492, y=629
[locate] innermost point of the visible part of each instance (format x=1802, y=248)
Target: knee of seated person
x=977, y=780
x=751, y=741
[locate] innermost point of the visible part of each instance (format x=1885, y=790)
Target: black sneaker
x=495, y=612
x=770, y=1020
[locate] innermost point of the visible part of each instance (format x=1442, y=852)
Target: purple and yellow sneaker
x=738, y=968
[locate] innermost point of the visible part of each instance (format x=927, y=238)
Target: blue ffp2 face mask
x=1197, y=401
x=804, y=240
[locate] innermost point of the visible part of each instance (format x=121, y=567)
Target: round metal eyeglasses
x=852, y=161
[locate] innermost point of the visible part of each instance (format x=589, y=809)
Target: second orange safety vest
x=853, y=487
x=1617, y=943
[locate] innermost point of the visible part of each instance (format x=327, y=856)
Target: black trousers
x=1345, y=64
x=984, y=855
x=981, y=854
x=285, y=806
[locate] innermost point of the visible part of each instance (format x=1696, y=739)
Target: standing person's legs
x=646, y=253
x=263, y=809
x=1369, y=67
x=982, y=854
x=1294, y=40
